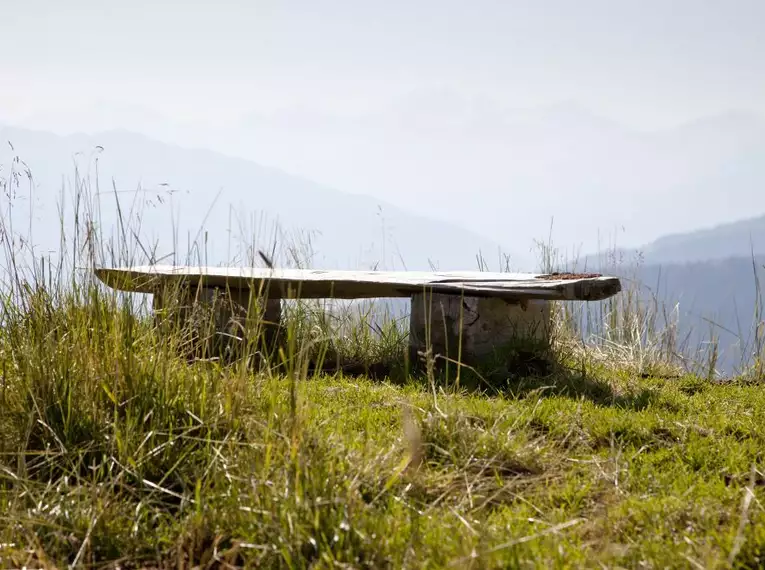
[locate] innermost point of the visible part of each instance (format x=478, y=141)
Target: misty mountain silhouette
x=712, y=278
x=183, y=193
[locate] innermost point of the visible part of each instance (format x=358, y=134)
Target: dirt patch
x=568, y=276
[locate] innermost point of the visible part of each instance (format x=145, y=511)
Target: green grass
x=113, y=452
x=116, y=452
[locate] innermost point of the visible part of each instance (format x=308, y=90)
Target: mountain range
x=184, y=195
x=709, y=282
x=506, y=173
x=515, y=172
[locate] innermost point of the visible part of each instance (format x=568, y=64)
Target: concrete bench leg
x=216, y=323
x=494, y=333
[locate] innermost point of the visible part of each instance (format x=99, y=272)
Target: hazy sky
x=646, y=63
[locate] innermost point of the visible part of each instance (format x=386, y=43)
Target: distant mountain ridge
x=735, y=239
x=202, y=191
x=506, y=172
x=741, y=239
x=523, y=168
x=711, y=280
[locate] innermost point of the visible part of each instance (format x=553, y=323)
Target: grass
x=111, y=455
x=117, y=452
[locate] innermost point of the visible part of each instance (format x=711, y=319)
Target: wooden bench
x=480, y=311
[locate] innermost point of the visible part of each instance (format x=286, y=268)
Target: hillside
x=704, y=301
x=711, y=279
x=501, y=171
x=231, y=204
x=736, y=239
x=174, y=174
x=117, y=452
x=740, y=238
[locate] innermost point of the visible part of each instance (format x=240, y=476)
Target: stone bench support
x=475, y=330
x=219, y=323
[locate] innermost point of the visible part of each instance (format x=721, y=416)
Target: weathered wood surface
x=316, y=284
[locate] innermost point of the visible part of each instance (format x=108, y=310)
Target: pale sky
x=646, y=63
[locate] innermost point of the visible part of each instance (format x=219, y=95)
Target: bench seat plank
x=345, y=284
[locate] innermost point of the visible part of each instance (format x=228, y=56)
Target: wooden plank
x=305, y=284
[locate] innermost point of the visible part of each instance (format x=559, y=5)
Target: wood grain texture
x=306, y=284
